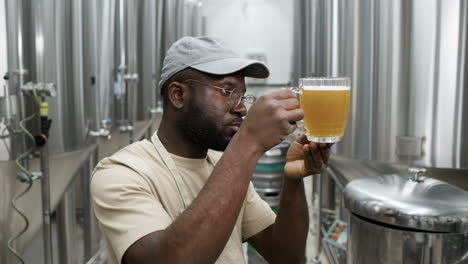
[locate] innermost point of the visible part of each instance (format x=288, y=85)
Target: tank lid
x=423, y=203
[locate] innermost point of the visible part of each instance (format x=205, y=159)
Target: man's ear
x=177, y=94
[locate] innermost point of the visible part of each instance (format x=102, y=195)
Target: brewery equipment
x=407, y=61
x=401, y=219
x=77, y=47
x=268, y=175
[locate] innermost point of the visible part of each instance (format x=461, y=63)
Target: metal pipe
x=318, y=239
x=22, y=115
x=78, y=71
x=95, y=62
x=328, y=187
x=122, y=31
x=65, y=227
x=87, y=236
x=46, y=211
x=159, y=48
x=122, y=67
x=100, y=257
x=91, y=239
x=17, y=9
x=460, y=157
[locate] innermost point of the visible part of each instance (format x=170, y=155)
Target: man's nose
x=240, y=109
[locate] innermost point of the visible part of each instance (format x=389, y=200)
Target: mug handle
x=295, y=89
x=300, y=130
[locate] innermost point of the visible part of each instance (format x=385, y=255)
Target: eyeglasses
x=235, y=99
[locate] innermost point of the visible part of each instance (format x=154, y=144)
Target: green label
x=270, y=167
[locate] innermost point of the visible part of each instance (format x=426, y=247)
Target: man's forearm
x=292, y=223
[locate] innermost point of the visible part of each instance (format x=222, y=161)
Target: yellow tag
x=44, y=109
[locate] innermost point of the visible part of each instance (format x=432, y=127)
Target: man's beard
x=200, y=129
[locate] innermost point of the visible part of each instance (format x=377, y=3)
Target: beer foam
x=325, y=88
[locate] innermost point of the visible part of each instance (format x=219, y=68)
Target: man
x=174, y=199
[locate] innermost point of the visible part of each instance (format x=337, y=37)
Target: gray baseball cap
x=208, y=55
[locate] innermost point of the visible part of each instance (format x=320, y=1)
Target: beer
x=325, y=111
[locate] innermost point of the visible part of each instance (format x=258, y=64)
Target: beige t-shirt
x=134, y=194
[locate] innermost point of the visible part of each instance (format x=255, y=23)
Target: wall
x=255, y=26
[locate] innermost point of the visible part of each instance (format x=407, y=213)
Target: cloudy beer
x=325, y=102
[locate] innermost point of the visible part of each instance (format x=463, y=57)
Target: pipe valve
x=416, y=173
x=42, y=89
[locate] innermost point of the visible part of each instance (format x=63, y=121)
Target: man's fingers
x=283, y=94
x=313, y=157
x=290, y=103
x=318, y=154
x=324, y=152
x=291, y=128
x=303, y=140
x=295, y=115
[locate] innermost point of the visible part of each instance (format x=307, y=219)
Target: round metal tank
x=144, y=31
x=407, y=61
x=46, y=45
x=100, y=39
x=181, y=18
x=150, y=53
x=400, y=219
x=268, y=175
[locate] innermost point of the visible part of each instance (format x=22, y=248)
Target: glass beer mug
x=325, y=102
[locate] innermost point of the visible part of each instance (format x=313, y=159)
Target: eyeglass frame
x=249, y=98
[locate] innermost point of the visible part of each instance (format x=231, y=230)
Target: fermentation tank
x=45, y=45
x=144, y=31
x=97, y=64
x=409, y=104
x=398, y=219
x=268, y=176
x=407, y=61
x=46, y=54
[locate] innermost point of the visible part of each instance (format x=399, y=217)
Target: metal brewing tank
x=181, y=18
x=144, y=31
x=45, y=45
x=78, y=46
x=45, y=48
x=99, y=42
x=268, y=175
x=398, y=219
x=409, y=107
x=407, y=61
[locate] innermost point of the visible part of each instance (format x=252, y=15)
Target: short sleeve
x=125, y=207
x=257, y=214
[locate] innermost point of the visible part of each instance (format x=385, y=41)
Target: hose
x=13, y=204
x=27, y=177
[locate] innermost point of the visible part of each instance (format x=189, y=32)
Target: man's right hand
x=272, y=118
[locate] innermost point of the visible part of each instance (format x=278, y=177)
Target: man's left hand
x=305, y=158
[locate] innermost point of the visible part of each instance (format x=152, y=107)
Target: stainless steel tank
x=150, y=52
x=407, y=60
x=45, y=43
x=144, y=31
x=100, y=72
x=409, y=105
x=268, y=175
x=401, y=219
x=181, y=18
x=45, y=46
